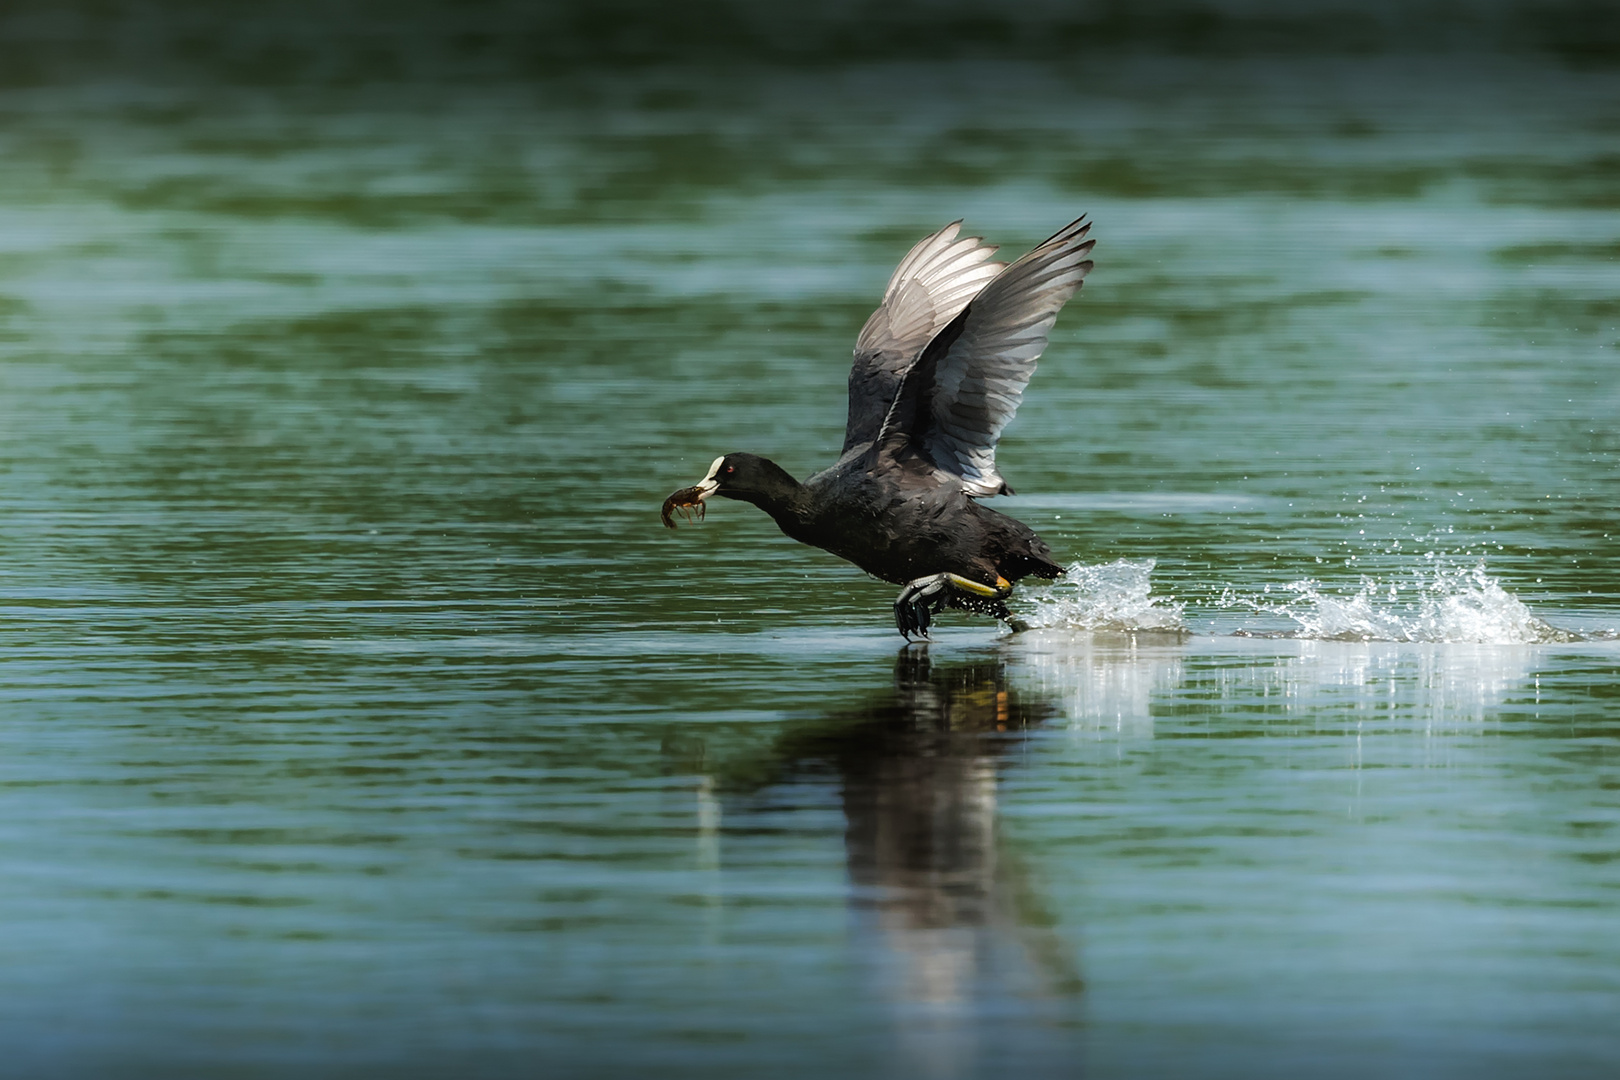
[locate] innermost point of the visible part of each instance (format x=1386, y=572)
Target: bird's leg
x=918, y=601
x=914, y=609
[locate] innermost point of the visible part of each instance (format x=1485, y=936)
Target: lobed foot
x=915, y=607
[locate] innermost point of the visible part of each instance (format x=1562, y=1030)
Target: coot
x=939, y=371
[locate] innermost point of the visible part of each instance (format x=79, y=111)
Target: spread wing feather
x=932, y=284
x=965, y=386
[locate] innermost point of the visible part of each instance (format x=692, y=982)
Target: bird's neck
x=779, y=495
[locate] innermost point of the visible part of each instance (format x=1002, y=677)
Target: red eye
x=730, y=469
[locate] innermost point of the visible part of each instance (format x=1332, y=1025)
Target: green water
x=359, y=717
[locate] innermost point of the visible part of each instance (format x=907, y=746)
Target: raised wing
x=929, y=287
x=964, y=388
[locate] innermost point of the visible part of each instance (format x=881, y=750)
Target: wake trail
x=1434, y=602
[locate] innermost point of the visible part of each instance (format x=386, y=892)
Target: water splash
x=1110, y=596
x=1444, y=604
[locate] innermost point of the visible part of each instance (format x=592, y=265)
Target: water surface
x=361, y=718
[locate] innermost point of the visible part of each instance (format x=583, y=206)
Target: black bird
x=939, y=371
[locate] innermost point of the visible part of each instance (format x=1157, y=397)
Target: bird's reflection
x=950, y=928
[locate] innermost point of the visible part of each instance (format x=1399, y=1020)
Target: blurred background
x=360, y=717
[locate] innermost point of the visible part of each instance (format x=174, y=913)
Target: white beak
x=709, y=485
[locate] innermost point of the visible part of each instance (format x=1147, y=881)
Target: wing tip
x=1074, y=230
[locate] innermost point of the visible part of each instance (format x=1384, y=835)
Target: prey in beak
x=691, y=498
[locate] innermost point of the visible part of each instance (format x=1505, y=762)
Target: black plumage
x=939, y=370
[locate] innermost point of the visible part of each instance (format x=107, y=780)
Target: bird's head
x=735, y=476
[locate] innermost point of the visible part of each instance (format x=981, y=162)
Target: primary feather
x=931, y=285
x=964, y=387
